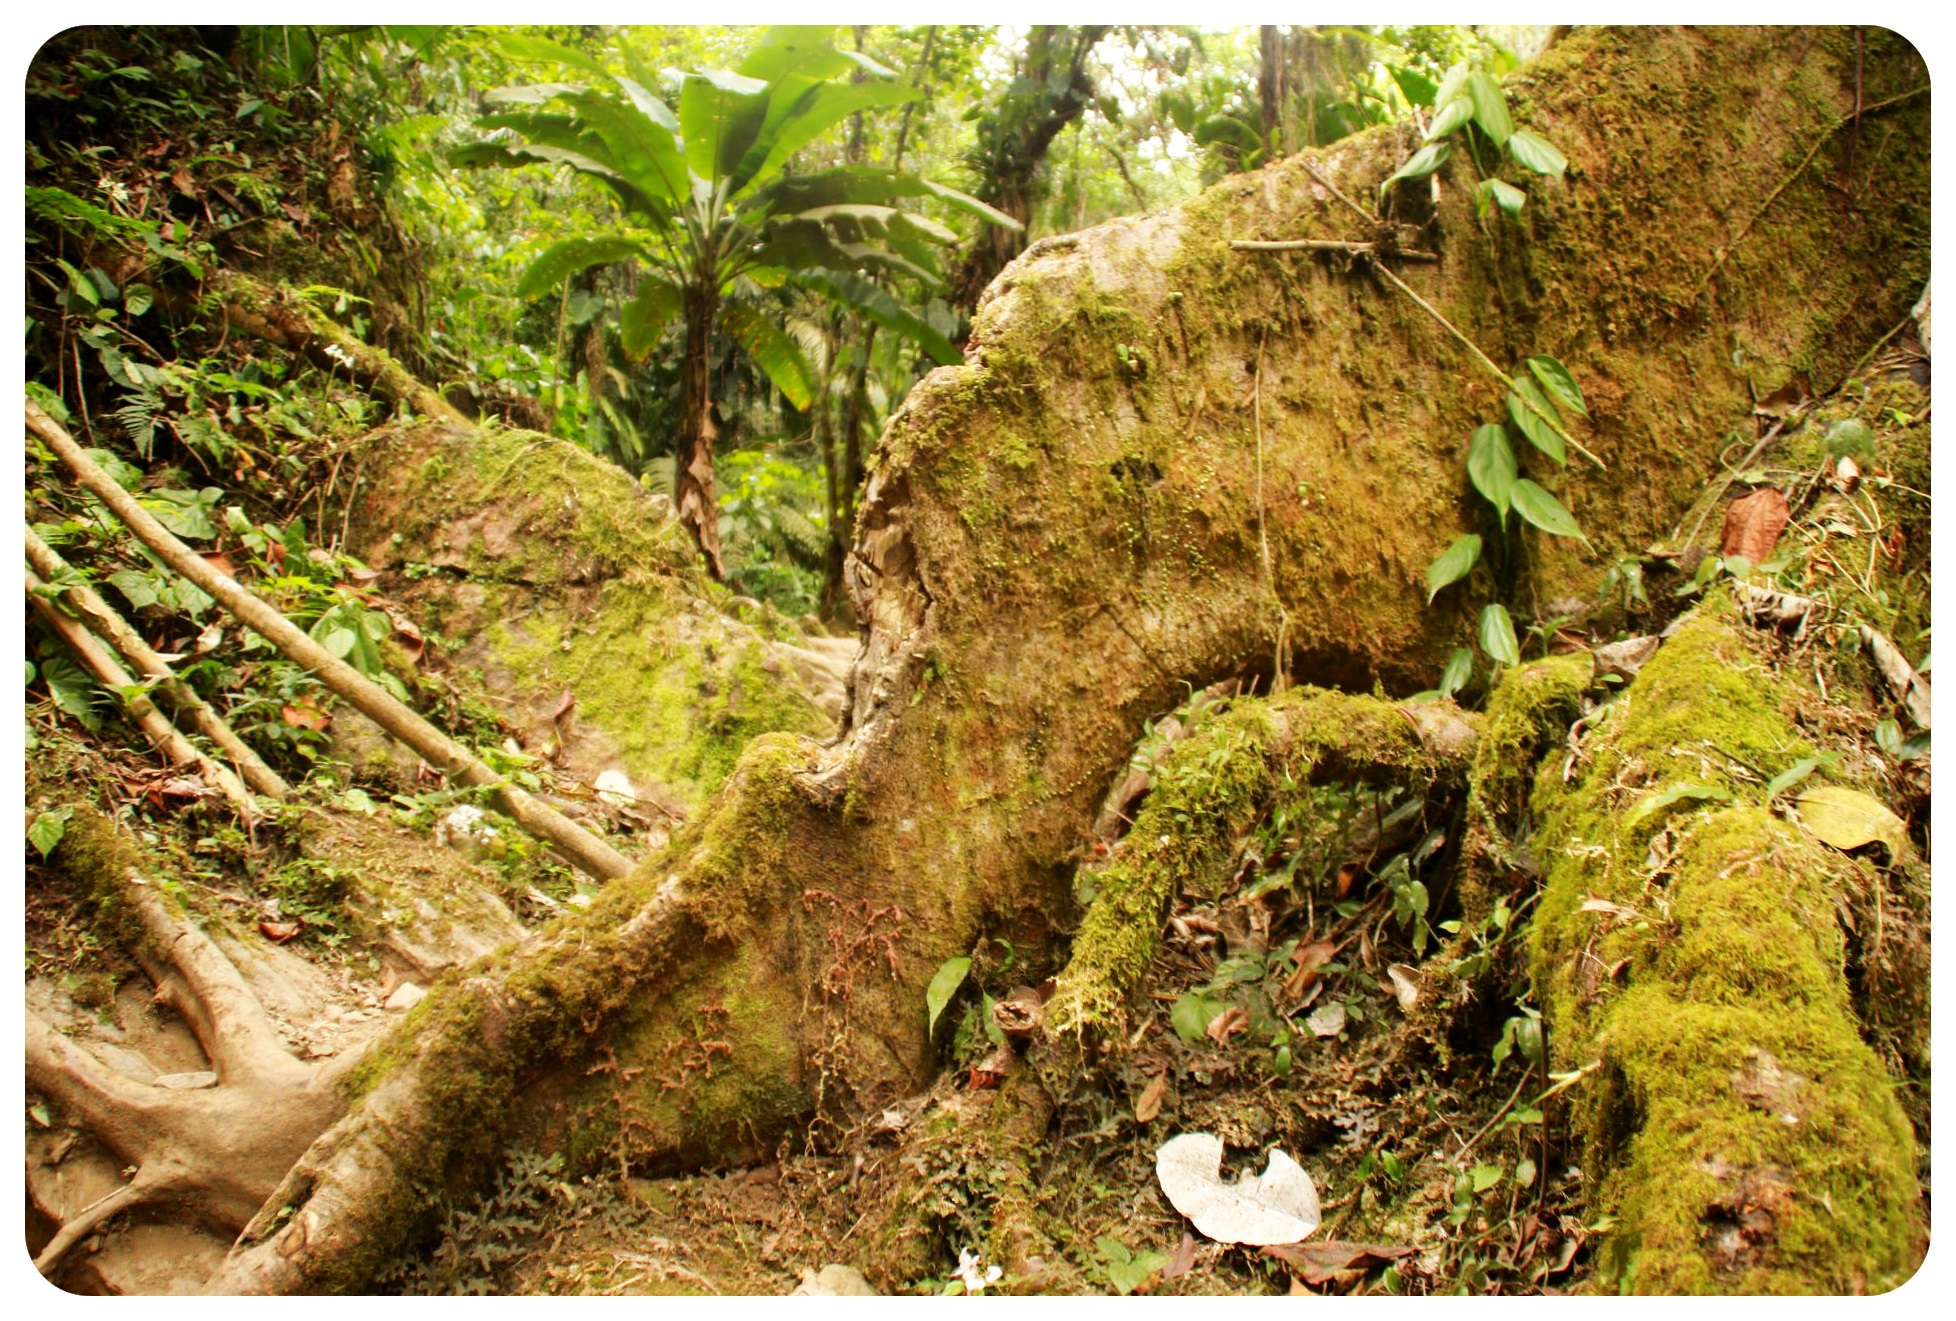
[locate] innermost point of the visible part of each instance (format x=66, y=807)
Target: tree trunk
x=1270, y=89
x=692, y=463
x=1058, y=538
x=1014, y=141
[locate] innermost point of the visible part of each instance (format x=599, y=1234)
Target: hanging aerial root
x=1215, y=786
x=1741, y=1130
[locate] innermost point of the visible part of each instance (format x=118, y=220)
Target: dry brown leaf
x=1149, y=1105
x=1309, y=958
x=1753, y=525
x=1228, y=1023
x=218, y=560
x=279, y=932
x=1182, y=1259
x=1324, y=1263
x=564, y=705
x=304, y=714
x=1348, y=875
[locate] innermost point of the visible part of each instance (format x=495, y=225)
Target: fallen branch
x=1328, y=245
x=106, y=624
x=583, y=849
x=168, y=739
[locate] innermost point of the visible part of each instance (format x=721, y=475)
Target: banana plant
x=709, y=200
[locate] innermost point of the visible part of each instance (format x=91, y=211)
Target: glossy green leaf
x=866, y=297
x=1453, y=84
x=773, y=352
x=1424, y=161
x=49, y=829
x=944, y=984
x=1460, y=668
x=649, y=312
x=1491, y=466
x=539, y=50
x=1417, y=88
x=569, y=257
x=1190, y=1017
x=1791, y=776
x=1537, y=153
x=1490, y=108
x=1545, y=511
x=826, y=106
x=1453, y=564
x=1534, y=422
x=1449, y=117
x=720, y=113
x=1502, y=194
x=1497, y=632
x=1559, y=382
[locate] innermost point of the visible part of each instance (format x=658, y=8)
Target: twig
x=1327, y=245
x=1819, y=142
x=1487, y=362
x=1499, y=1115
x=1311, y=168
x=168, y=740
x=1279, y=662
x=107, y=624
x=585, y=850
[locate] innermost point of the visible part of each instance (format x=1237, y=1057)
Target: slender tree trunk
x=1017, y=139
x=699, y=511
x=1270, y=88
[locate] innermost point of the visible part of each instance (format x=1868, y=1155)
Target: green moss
x=1726, y=965
x=1211, y=788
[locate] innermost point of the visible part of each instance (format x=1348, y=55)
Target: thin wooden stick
x=168, y=740
x=1487, y=362
x=584, y=849
x=105, y=623
x=1311, y=168
x=1326, y=245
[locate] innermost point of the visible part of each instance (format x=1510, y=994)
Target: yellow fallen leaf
x=1847, y=819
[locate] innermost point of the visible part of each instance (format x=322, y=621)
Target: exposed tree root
x=1689, y=950
x=213, y=1146
x=1212, y=789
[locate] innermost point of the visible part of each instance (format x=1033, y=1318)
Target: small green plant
x=1537, y=403
x=1469, y=106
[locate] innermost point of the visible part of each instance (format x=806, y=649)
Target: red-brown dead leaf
x=280, y=932
x=218, y=560
x=361, y=576
x=1753, y=525
x=275, y=554
x=183, y=182
x=1333, y=1262
x=1228, y=1023
x=1180, y=1261
x=1309, y=958
x=564, y=705
x=409, y=634
x=1149, y=1105
x=304, y=714
x=992, y=1070
x=1348, y=876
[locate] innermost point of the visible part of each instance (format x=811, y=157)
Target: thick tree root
x=1737, y=1123
x=1211, y=789
x=214, y=1148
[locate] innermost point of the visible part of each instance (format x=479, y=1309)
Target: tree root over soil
x=215, y=1145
